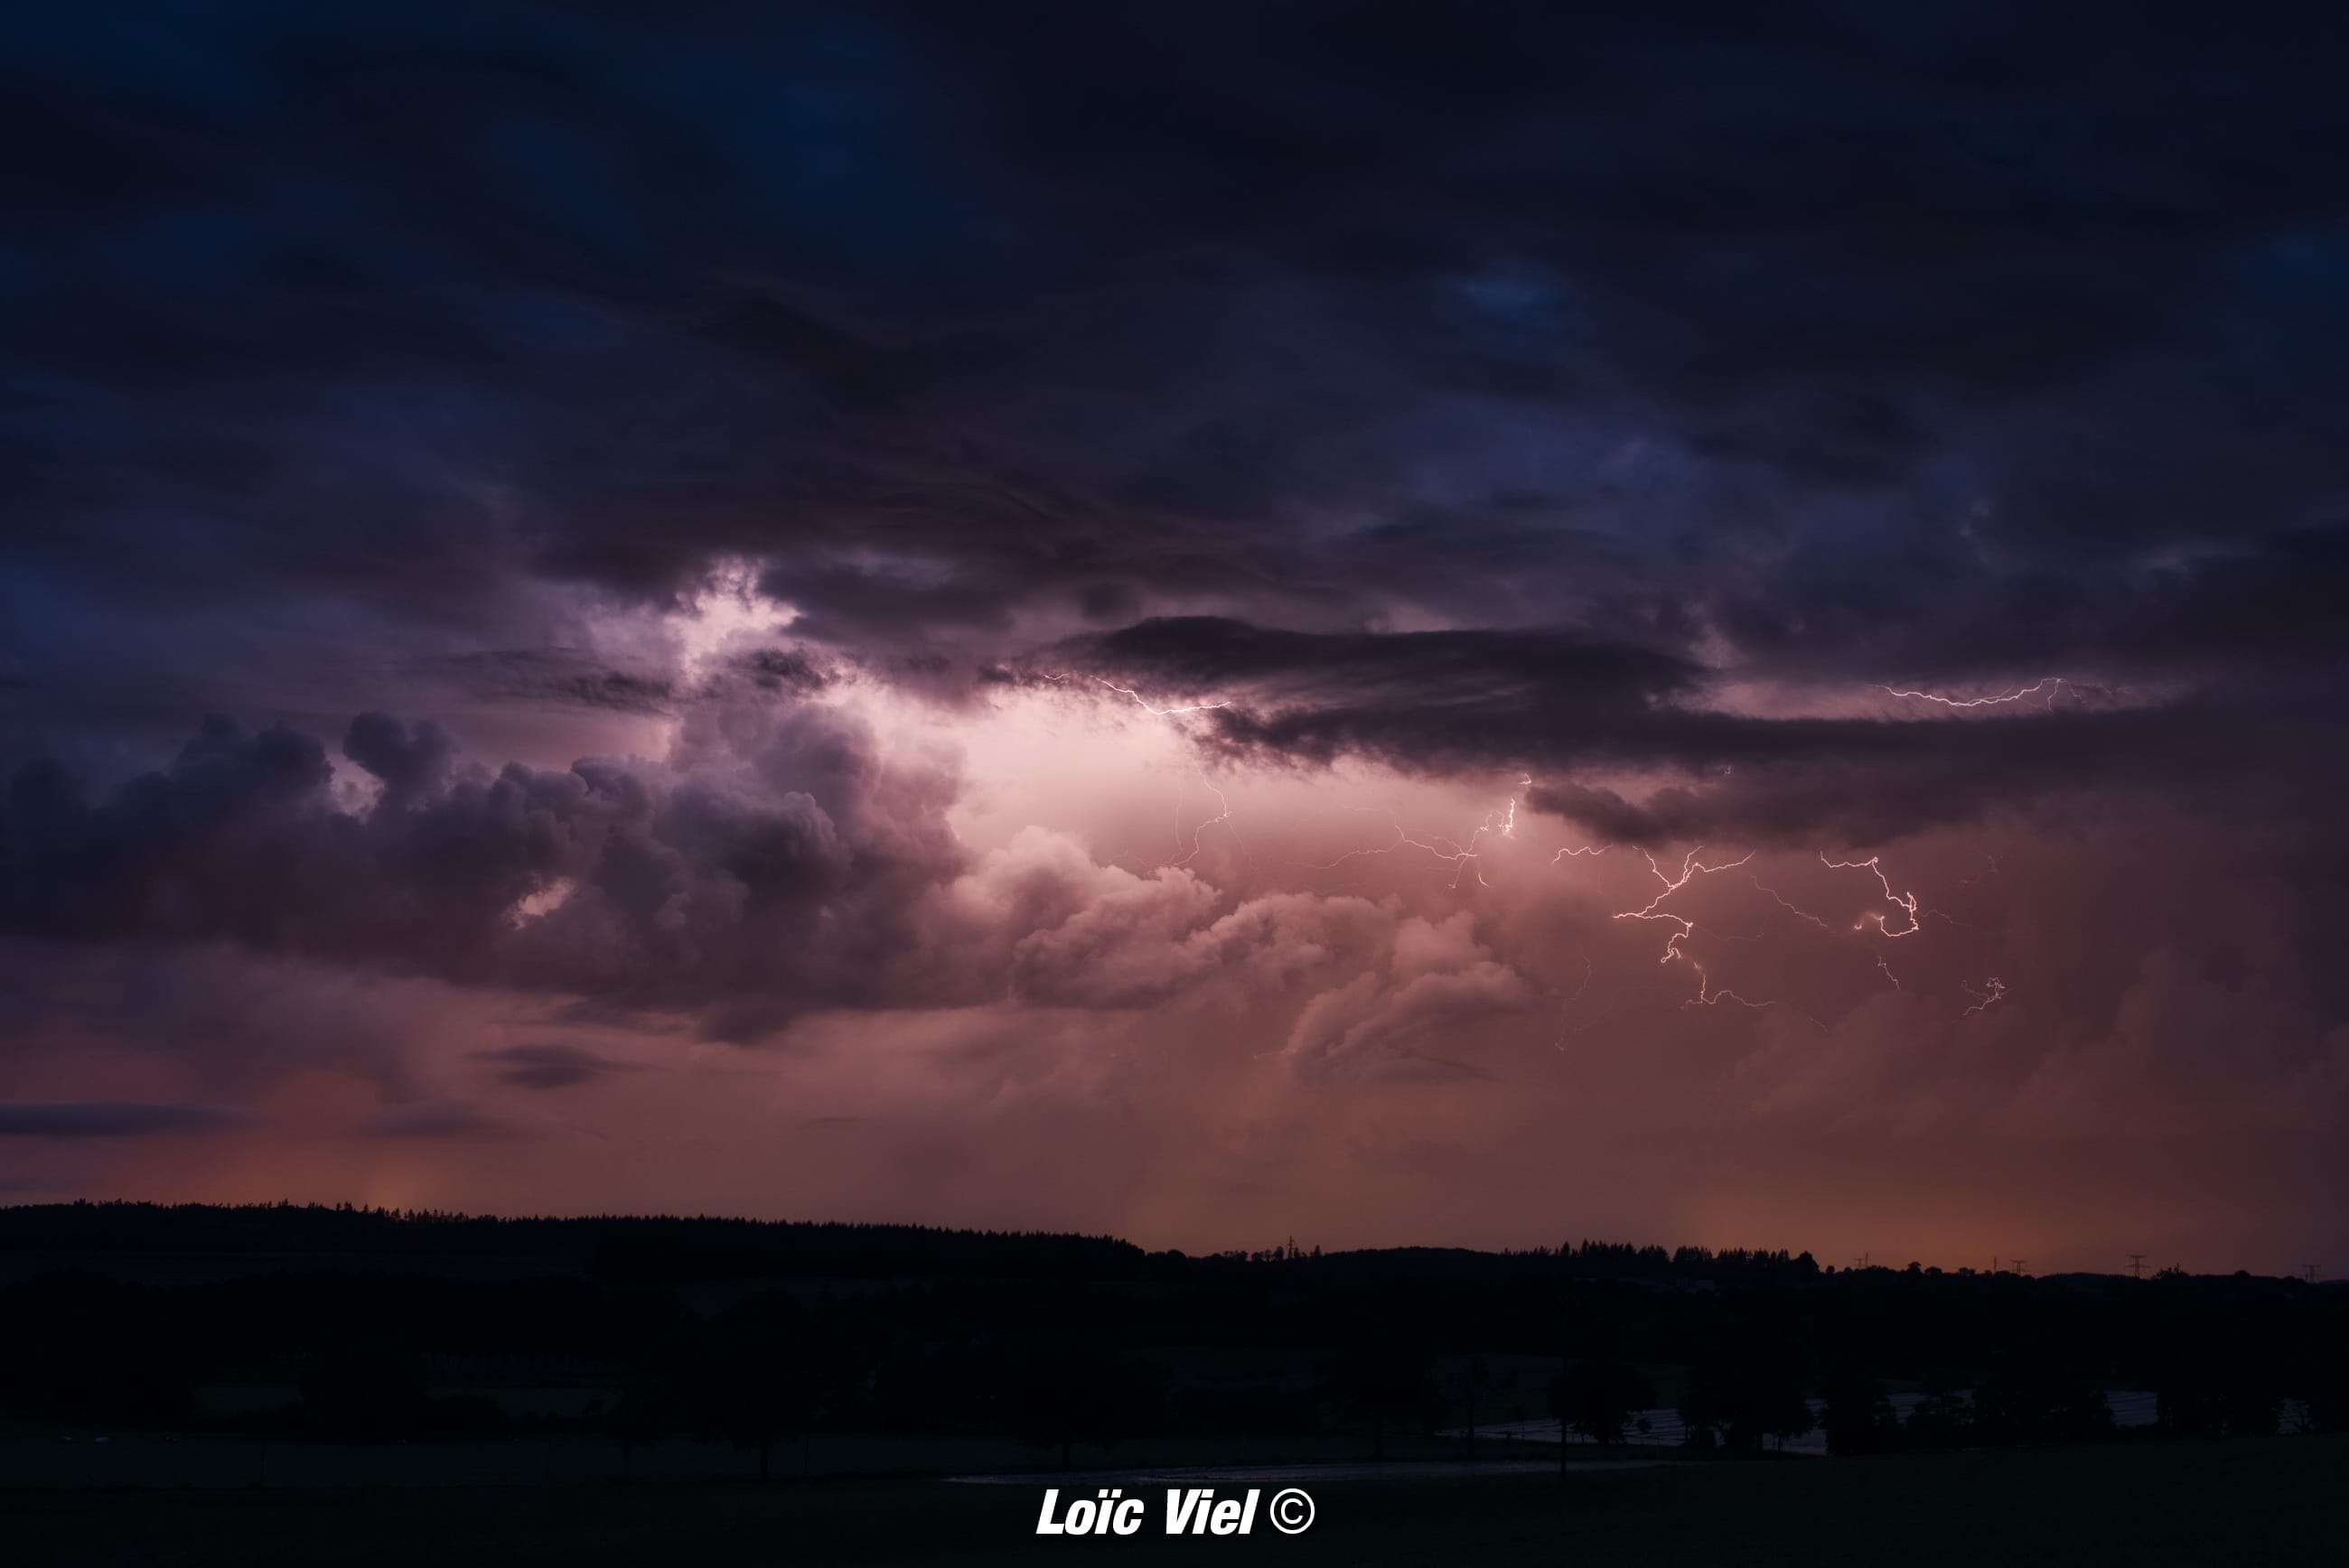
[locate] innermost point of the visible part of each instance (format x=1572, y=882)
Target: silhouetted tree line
x=626, y=1247
x=377, y=1320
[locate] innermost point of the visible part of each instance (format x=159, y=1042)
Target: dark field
x=2236, y=1502
x=306, y=1387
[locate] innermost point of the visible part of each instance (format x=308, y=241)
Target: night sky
x=1687, y=624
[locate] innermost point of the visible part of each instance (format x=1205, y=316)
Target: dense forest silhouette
x=757, y=1333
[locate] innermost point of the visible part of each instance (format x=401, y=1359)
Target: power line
x=2136, y=1265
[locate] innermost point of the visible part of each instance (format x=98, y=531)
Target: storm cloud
x=116, y=1118
x=1179, y=585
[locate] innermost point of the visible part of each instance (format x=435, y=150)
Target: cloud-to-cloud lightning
x=2052, y=684
x=1340, y=471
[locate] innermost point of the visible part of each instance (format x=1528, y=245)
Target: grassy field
x=40, y=1457
x=2242, y=1501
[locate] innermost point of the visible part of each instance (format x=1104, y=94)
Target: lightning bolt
x=1469, y=855
x=1459, y=857
x=1161, y=712
x=1464, y=856
x=2052, y=684
x=1223, y=815
x=1782, y=903
x=1685, y=927
x=1223, y=804
x=1690, y=869
x=1567, y=1004
x=1906, y=901
x=1501, y=822
x=1707, y=997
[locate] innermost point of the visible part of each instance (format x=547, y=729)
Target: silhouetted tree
x=645, y=1413
x=1473, y=1381
x=947, y=1333
x=1942, y=1418
x=371, y=1390
x=1060, y=1390
x=1597, y=1398
x=77, y=1343
x=2325, y=1385
x=2035, y=1397
x=757, y=1375
x=2214, y=1383
x=1385, y=1373
x=1787, y=1416
x=1749, y=1390
x=1858, y=1417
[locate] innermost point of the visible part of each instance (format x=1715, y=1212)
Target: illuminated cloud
x=1112, y=649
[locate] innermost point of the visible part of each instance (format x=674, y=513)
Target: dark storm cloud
x=777, y=865
x=1454, y=390
x=1868, y=782
x=116, y=1118
x=1894, y=339
x=551, y=1065
x=2251, y=611
x=1461, y=667
x=1556, y=702
x=786, y=863
x=1614, y=395
x=548, y=676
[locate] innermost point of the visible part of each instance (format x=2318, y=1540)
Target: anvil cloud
x=1112, y=616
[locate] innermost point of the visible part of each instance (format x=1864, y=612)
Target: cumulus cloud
x=1438, y=979
x=774, y=856
x=1141, y=942
x=777, y=862
x=1578, y=411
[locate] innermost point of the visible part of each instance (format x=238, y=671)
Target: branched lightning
x=1462, y=858
x=1223, y=804
x=1683, y=927
x=1707, y=994
x=1161, y=712
x=1906, y=901
x=1223, y=815
x=1690, y=868
x=1708, y=997
x=1992, y=989
x=1466, y=855
x=2052, y=684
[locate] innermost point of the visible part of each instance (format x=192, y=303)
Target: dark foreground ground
x=2236, y=1502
